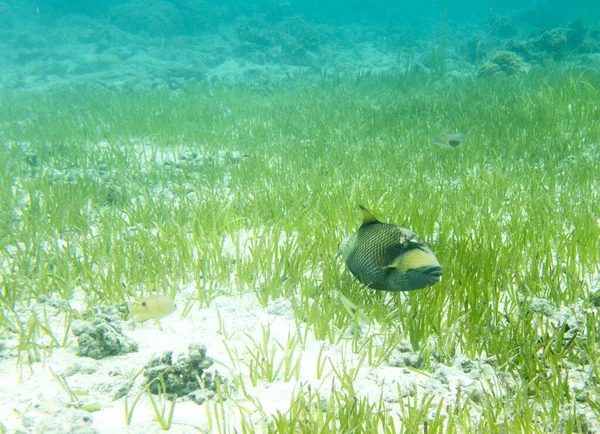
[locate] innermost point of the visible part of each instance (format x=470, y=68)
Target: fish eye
x=143, y=303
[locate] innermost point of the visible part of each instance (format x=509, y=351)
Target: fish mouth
x=419, y=278
x=433, y=271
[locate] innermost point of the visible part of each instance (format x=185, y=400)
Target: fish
x=449, y=140
x=153, y=307
x=387, y=257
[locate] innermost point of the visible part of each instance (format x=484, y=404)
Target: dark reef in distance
x=147, y=44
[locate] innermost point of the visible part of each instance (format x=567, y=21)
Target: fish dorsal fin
x=367, y=217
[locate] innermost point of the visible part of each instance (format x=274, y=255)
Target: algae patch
x=188, y=376
x=102, y=337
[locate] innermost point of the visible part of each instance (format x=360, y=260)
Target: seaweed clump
x=189, y=376
x=198, y=16
x=503, y=63
x=102, y=337
x=552, y=43
x=158, y=18
x=291, y=40
x=502, y=26
x=575, y=35
x=166, y=18
x=555, y=43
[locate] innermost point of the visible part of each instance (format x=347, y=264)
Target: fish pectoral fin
x=396, y=264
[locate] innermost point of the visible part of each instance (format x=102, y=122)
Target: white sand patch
x=31, y=399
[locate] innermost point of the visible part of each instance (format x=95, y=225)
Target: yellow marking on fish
x=415, y=258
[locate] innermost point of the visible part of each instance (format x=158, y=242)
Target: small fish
x=388, y=257
x=449, y=140
x=153, y=307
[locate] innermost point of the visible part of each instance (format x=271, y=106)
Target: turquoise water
x=145, y=44
x=215, y=152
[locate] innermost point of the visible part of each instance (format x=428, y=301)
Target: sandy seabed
x=32, y=400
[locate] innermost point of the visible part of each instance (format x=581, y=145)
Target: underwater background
x=182, y=177
x=153, y=43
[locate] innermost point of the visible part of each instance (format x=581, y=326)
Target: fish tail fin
x=130, y=313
